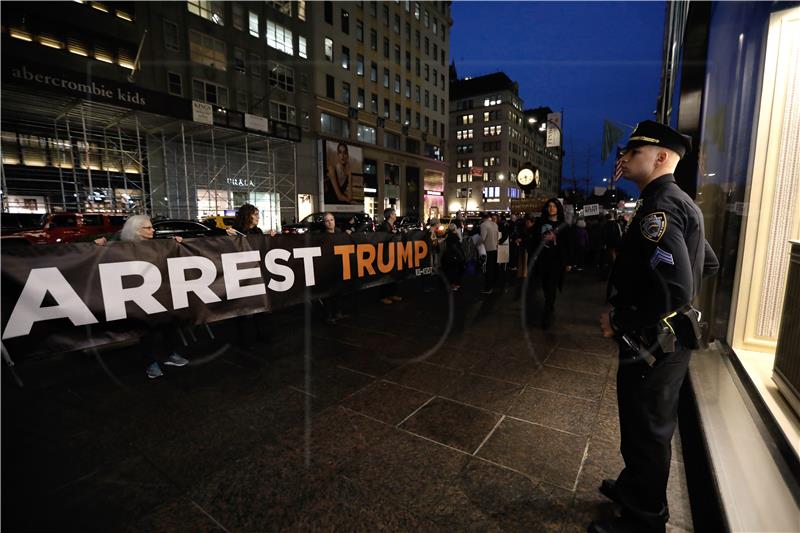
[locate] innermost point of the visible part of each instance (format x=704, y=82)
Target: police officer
x=662, y=258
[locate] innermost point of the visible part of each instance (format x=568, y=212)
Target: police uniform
x=662, y=259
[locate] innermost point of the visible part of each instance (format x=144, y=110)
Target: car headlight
x=301, y=230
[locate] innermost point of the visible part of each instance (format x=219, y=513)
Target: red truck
x=66, y=227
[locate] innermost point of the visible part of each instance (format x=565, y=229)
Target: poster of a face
x=343, y=182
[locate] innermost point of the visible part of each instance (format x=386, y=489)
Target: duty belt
x=652, y=342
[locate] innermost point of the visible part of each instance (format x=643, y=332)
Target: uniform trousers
x=648, y=413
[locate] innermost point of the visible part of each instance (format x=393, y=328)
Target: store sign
x=476, y=171
x=433, y=193
x=256, y=123
x=202, y=112
x=240, y=182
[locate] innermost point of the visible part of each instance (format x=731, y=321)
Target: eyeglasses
x=146, y=227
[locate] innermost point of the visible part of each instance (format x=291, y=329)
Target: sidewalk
x=374, y=430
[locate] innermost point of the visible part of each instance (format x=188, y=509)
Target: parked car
x=360, y=222
x=219, y=221
x=168, y=228
x=409, y=224
x=67, y=227
x=15, y=222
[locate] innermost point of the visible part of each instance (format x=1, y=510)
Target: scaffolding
x=86, y=156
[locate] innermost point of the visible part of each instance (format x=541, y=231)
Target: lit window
x=99, y=6
x=207, y=50
x=284, y=6
x=50, y=42
x=124, y=16
x=125, y=59
x=279, y=38
x=366, y=134
x=209, y=10
x=78, y=48
x=253, y=24
x=301, y=9
x=101, y=54
x=302, y=47
x=329, y=49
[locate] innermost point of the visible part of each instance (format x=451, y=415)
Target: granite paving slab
x=488, y=393
x=388, y=402
x=577, y=361
x=555, y=410
x=578, y=384
x=454, y=424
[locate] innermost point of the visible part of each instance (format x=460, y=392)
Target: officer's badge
x=660, y=256
x=654, y=225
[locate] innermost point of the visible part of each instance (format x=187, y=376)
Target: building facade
x=381, y=85
x=186, y=109
x=493, y=138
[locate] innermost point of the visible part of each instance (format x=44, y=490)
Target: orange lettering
x=386, y=267
x=420, y=252
x=365, y=257
x=345, y=250
x=403, y=254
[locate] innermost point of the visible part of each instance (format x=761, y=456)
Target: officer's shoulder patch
x=654, y=225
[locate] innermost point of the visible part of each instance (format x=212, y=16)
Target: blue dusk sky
x=593, y=60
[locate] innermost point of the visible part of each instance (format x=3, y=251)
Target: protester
x=332, y=304
x=453, y=259
x=489, y=237
x=158, y=343
x=246, y=222
x=389, y=291
x=551, y=261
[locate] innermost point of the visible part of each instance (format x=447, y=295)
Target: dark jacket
x=386, y=227
x=551, y=260
x=255, y=230
x=662, y=258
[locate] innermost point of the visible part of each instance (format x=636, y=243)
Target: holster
x=685, y=323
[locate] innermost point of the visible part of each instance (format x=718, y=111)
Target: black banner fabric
x=65, y=297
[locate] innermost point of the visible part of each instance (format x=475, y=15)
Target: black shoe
x=608, y=488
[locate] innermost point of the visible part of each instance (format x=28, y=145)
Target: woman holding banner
x=158, y=341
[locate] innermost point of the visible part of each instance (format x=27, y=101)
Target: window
x=373, y=103
x=427, y=124
x=366, y=134
x=442, y=62
x=205, y=91
x=408, y=32
x=283, y=6
x=408, y=88
x=417, y=120
x=171, y=40
x=345, y=58
x=328, y=9
x=397, y=83
x=241, y=101
x=435, y=26
x=464, y=149
x=386, y=78
x=174, y=84
x=206, y=50
x=436, y=78
x=416, y=10
x=282, y=112
x=491, y=115
x=386, y=108
x=435, y=51
x=416, y=38
x=492, y=100
x=373, y=8
x=329, y=49
x=345, y=22
x=334, y=125
x=427, y=72
x=386, y=47
x=408, y=61
x=346, y=93
x=360, y=99
x=397, y=112
x=397, y=54
x=253, y=24
x=359, y=65
x=417, y=66
x=359, y=31
x=238, y=60
x=391, y=141
x=330, y=90
x=212, y=11
x=426, y=19
x=397, y=24
x=407, y=122
x=373, y=39
x=254, y=62
x=301, y=9
x=373, y=72
x=491, y=131
x=427, y=98
x=302, y=47
x=282, y=77
x=279, y=38
x=385, y=14
x=417, y=94
x=427, y=47
x=435, y=103
x=464, y=134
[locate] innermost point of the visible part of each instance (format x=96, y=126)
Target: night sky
x=594, y=60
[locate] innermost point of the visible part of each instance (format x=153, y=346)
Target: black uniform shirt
x=662, y=258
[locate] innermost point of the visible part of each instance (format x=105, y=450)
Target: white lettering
x=181, y=287
x=233, y=275
x=308, y=255
x=29, y=310
x=115, y=296
x=279, y=270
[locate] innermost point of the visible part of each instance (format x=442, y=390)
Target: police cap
x=657, y=134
